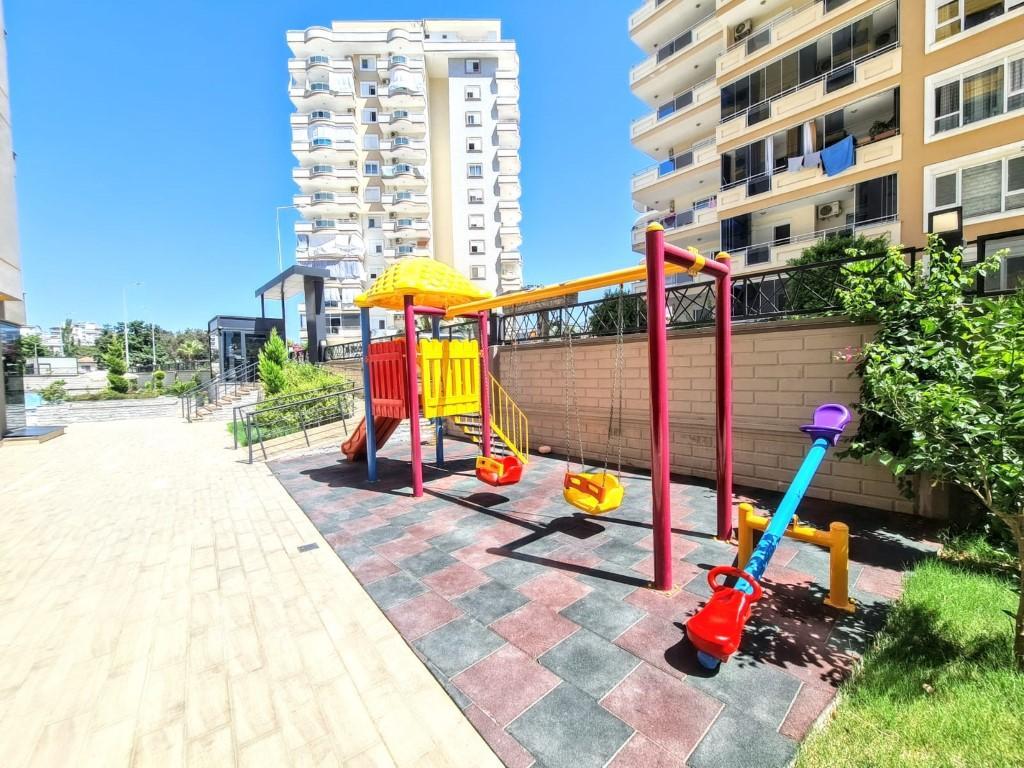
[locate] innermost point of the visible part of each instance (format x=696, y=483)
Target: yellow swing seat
x=592, y=492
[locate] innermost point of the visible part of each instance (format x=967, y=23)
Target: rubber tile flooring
x=539, y=621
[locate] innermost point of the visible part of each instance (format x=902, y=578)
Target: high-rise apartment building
x=774, y=123
x=406, y=135
x=12, y=303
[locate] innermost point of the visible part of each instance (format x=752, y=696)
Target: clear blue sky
x=153, y=145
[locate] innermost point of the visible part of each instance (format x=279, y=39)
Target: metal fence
x=353, y=350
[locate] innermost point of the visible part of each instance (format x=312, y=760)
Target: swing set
x=452, y=379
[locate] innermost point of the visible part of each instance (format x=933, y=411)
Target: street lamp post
x=277, y=217
x=124, y=306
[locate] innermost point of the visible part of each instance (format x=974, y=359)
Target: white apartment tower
x=406, y=135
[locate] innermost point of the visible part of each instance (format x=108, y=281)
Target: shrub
x=811, y=290
x=116, y=368
x=158, y=379
x=272, y=360
x=55, y=392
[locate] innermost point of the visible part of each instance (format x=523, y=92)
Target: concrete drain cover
x=307, y=547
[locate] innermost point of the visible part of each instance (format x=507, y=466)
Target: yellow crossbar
x=603, y=280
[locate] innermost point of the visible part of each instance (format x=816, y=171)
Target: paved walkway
x=538, y=621
x=158, y=610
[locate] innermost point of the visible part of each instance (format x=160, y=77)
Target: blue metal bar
x=784, y=514
x=435, y=325
x=371, y=436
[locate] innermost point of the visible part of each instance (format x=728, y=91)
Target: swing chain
x=570, y=365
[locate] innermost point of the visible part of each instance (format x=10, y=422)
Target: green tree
x=632, y=307
x=32, y=346
x=190, y=349
x=55, y=392
x=815, y=288
x=116, y=369
x=158, y=379
x=272, y=359
x=941, y=386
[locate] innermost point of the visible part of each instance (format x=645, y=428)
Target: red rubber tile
x=555, y=589
x=372, y=569
x=415, y=618
x=668, y=711
x=361, y=525
x=807, y=707
x=658, y=642
x=881, y=581
x=506, y=683
x=508, y=750
x=455, y=580
x=402, y=547
x=477, y=555
x=430, y=528
x=672, y=606
x=641, y=752
x=534, y=628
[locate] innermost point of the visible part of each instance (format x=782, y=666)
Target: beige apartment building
x=774, y=123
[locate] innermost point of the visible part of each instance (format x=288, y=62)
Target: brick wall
x=782, y=371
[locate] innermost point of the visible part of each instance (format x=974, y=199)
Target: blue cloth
x=838, y=157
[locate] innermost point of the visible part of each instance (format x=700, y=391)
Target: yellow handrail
x=509, y=422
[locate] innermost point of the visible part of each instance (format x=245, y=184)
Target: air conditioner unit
x=742, y=29
x=391, y=215
x=353, y=189
x=829, y=210
x=386, y=81
x=352, y=163
x=352, y=215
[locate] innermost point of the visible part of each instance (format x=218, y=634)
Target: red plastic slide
x=355, y=447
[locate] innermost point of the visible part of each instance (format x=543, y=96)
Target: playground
x=578, y=612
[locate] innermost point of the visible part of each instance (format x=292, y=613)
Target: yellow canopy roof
x=429, y=282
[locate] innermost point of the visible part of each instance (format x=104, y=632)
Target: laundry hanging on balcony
x=837, y=157
x=795, y=164
x=812, y=159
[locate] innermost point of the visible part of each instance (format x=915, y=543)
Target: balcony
x=509, y=188
x=404, y=123
x=319, y=95
x=835, y=87
x=686, y=118
x=508, y=135
x=407, y=229
x=695, y=225
x=869, y=155
x=688, y=171
x=509, y=163
x=510, y=237
x=329, y=226
x=323, y=150
x=406, y=202
x=343, y=118
x=768, y=38
x=327, y=204
x=509, y=213
x=313, y=179
x=299, y=67
x=404, y=176
x=508, y=109
x=648, y=23
x=403, y=96
x=698, y=46
x=405, y=150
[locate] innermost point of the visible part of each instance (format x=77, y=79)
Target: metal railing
x=264, y=422
x=220, y=386
x=509, y=422
x=353, y=350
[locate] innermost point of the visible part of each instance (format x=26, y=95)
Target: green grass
x=938, y=688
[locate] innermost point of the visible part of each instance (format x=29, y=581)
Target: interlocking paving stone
x=590, y=662
x=568, y=729
x=505, y=683
x=353, y=553
x=455, y=580
x=641, y=752
x=534, y=628
x=555, y=589
x=603, y=582
x=453, y=540
x=380, y=535
x=427, y=562
x=411, y=518
x=394, y=589
x=734, y=682
x=490, y=601
x=603, y=615
x=621, y=552
x=458, y=645
x=512, y=571
x=736, y=741
x=422, y=614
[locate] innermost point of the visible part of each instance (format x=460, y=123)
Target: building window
x=371, y=141
x=373, y=222
x=472, y=66
x=367, y=89
x=986, y=189
x=472, y=93
x=400, y=114
x=476, y=196
x=324, y=224
x=372, y=195
x=381, y=324
x=951, y=17
x=371, y=168
x=319, y=114
x=475, y=144
x=977, y=95
x=476, y=221
x=405, y=250
x=368, y=63
x=369, y=116
x=319, y=170
x=473, y=119
x=475, y=170
x=376, y=247
x=478, y=272
x=404, y=223
x=476, y=246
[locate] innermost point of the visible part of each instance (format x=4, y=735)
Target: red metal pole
x=723, y=399
x=415, y=454
x=485, y=387
x=657, y=347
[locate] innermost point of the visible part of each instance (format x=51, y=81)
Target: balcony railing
x=679, y=43
x=680, y=219
x=645, y=11
x=695, y=155
x=762, y=253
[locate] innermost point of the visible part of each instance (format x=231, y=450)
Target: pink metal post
x=485, y=387
x=414, y=398
x=723, y=399
x=657, y=346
